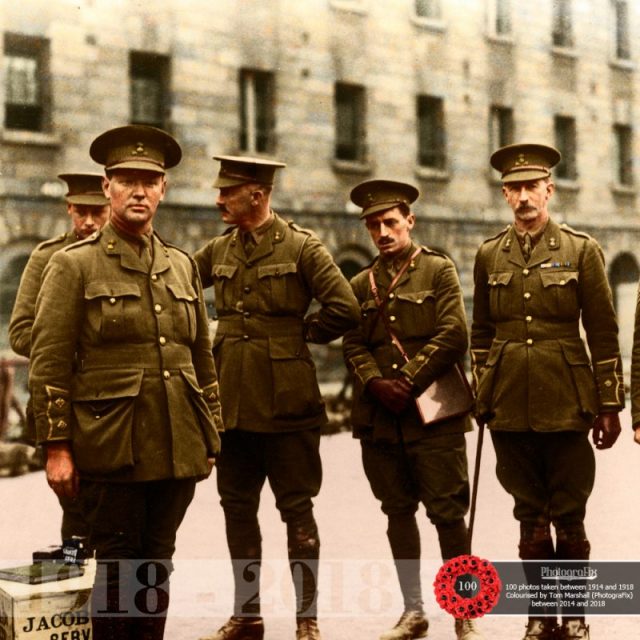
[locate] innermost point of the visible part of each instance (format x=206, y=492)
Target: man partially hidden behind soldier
x=537, y=389
x=414, y=293
x=88, y=209
x=266, y=272
x=124, y=384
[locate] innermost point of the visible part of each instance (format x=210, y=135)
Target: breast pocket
x=114, y=309
x=184, y=300
x=278, y=282
x=500, y=294
x=223, y=279
x=560, y=293
x=415, y=311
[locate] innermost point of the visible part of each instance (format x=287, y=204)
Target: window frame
x=158, y=67
x=257, y=111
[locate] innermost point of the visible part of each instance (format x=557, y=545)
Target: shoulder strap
x=382, y=303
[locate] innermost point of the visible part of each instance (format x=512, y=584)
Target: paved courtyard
x=358, y=593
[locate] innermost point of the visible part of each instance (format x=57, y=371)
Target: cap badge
x=521, y=160
x=139, y=150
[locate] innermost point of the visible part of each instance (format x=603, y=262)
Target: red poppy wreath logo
x=467, y=586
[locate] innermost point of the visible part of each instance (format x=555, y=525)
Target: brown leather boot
x=412, y=624
x=573, y=630
x=237, y=628
x=307, y=629
x=541, y=629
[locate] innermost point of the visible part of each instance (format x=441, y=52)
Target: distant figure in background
x=413, y=293
x=266, y=273
x=89, y=210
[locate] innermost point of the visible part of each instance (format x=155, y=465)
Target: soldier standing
x=266, y=272
x=406, y=462
x=88, y=209
x=537, y=390
x=123, y=381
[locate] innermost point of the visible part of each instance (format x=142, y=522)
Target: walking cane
x=476, y=477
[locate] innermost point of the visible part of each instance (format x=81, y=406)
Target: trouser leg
x=453, y=538
x=304, y=551
x=245, y=546
x=572, y=544
x=535, y=544
x=404, y=539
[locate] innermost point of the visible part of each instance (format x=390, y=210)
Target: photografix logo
x=568, y=574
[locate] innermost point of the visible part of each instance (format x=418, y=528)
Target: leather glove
x=394, y=394
x=606, y=430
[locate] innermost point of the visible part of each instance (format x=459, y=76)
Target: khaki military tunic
x=531, y=367
x=267, y=376
x=635, y=368
x=141, y=401
x=24, y=309
x=426, y=312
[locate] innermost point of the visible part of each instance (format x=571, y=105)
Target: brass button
x=607, y=383
x=527, y=296
x=190, y=298
x=392, y=296
x=61, y=424
x=247, y=314
x=528, y=318
x=529, y=341
x=419, y=300
x=112, y=300
x=563, y=281
x=394, y=366
x=162, y=340
x=494, y=282
x=245, y=337
x=154, y=277
x=157, y=308
x=247, y=289
x=525, y=272
x=392, y=318
x=166, y=375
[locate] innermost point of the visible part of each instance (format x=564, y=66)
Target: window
x=500, y=127
x=565, y=136
x=149, y=77
x=26, y=62
x=9, y=282
x=562, y=33
x=500, y=17
x=623, y=137
x=257, y=111
x=350, y=109
x=621, y=25
x=429, y=9
x=431, y=136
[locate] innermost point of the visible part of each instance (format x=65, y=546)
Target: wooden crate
x=48, y=611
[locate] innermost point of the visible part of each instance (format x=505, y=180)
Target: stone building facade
x=341, y=90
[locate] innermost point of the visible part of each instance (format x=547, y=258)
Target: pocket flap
x=575, y=353
x=276, y=270
x=558, y=278
x=285, y=348
x=500, y=278
x=182, y=291
x=191, y=380
x=224, y=270
x=112, y=289
x=96, y=385
x=417, y=297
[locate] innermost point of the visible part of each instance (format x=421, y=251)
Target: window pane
x=148, y=88
x=431, y=149
x=257, y=110
x=500, y=127
x=22, y=80
x=562, y=24
x=350, y=132
x=623, y=47
x=427, y=8
x=623, y=142
x=565, y=135
x=503, y=16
